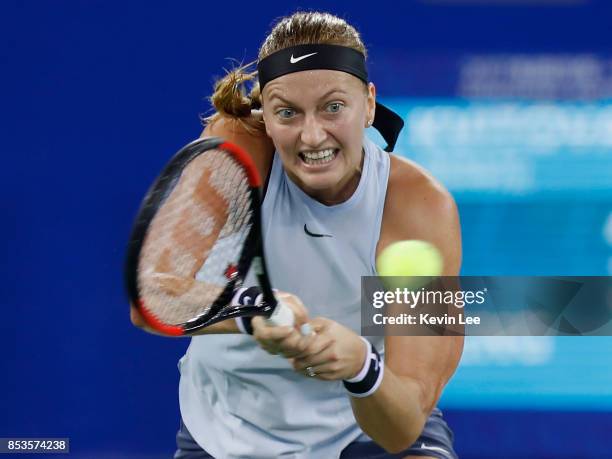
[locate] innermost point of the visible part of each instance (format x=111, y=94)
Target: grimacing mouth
x=318, y=157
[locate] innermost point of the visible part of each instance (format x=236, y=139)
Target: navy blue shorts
x=436, y=440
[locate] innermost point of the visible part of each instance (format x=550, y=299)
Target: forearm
x=395, y=414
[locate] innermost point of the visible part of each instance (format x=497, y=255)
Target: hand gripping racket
x=196, y=234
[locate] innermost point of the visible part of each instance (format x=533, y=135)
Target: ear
x=370, y=105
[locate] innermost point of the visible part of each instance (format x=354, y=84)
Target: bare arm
x=416, y=368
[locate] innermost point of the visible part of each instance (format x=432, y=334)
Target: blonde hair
x=230, y=97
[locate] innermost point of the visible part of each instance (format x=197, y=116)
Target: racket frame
x=252, y=251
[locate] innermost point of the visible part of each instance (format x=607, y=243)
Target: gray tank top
x=240, y=402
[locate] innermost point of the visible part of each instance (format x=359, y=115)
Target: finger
x=326, y=356
x=293, y=345
x=319, y=324
x=271, y=350
x=315, y=345
x=265, y=332
x=287, y=343
x=326, y=372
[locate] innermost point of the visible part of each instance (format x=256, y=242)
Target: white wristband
x=366, y=364
x=370, y=377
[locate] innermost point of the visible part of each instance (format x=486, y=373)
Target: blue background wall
x=96, y=95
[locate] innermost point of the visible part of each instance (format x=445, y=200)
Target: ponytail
x=230, y=98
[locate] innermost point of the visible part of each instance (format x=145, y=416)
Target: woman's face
x=316, y=120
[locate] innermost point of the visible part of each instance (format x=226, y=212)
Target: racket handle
x=281, y=316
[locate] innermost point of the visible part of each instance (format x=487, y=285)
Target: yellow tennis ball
x=409, y=259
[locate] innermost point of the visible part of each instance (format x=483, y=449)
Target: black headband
x=329, y=57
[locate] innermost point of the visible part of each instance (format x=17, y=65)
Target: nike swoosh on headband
x=293, y=60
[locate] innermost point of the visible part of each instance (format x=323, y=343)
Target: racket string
x=199, y=230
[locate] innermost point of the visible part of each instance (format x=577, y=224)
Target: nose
x=313, y=132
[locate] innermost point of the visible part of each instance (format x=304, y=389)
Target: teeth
x=312, y=155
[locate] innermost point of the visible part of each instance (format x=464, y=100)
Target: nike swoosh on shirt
x=293, y=60
x=315, y=234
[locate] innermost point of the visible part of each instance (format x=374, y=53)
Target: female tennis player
x=333, y=201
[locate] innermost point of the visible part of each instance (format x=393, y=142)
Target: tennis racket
x=194, y=238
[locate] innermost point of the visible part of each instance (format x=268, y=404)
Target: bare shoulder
x=417, y=206
x=240, y=132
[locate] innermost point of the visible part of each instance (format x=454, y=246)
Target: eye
x=286, y=113
x=334, y=107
